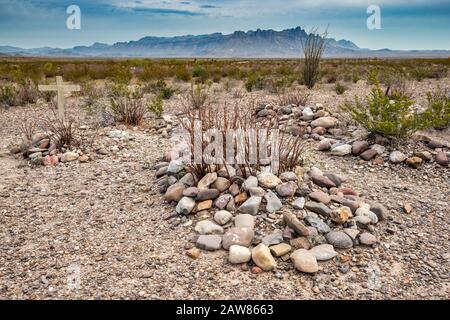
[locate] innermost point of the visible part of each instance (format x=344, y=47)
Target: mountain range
x=251, y=44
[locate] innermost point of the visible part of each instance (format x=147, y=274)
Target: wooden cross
x=61, y=88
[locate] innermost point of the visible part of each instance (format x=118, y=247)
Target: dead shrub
x=295, y=97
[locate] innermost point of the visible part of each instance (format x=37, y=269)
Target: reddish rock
x=359, y=147
x=320, y=196
x=348, y=191
x=323, y=181
x=319, y=130
x=368, y=154
x=256, y=270
x=50, y=160
x=442, y=159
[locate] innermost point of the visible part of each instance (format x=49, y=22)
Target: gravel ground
x=103, y=220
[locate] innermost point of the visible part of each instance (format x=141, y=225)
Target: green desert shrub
x=7, y=95
x=254, y=82
x=340, y=88
x=127, y=105
x=156, y=106
x=437, y=114
x=381, y=115
x=160, y=88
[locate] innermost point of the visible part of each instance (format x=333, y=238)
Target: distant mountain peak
x=257, y=43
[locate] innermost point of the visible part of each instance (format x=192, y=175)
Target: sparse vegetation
x=340, y=88
x=437, y=114
x=156, y=106
x=196, y=97
x=7, y=95
x=381, y=115
x=295, y=97
x=127, y=105
x=313, y=47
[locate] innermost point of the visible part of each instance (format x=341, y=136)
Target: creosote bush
x=127, y=105
x=340, y=88
x=381, y=115
x=156, y=106
x=437, y=114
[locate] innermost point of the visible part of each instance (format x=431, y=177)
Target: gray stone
x=222, y=217
x=299, y=203
x=273, y=239
x=273, y=203
x=257, y=192
x=318, y=208
x=250, y=182
x=288, y=176
x=207, y=180
x=185, y=206
x=207, y=194
x=367, y=239
x=226, y=172
x=223, y=201
x=191, y=192
x=292, y=221
x=323, y=252
x=251, y=206
x=175, y=166
x=317, y=223
x=69, y=156
x=209, y=242
x=339, y=240
x=304, y=261
x=208, y=227
x=188, y=179
x=244, y=221
x=239, y=236
x=341, y=150
x=378, y=148
x=268, y=180
x=286, y=189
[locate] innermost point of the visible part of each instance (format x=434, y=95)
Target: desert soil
x=104, y=219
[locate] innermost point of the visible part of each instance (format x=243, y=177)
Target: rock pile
x=302, y=216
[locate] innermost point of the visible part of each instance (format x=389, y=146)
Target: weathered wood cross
x=61, y=88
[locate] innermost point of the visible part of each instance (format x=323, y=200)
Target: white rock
x=239, y=254
x=323, y=252
x=222, y=217
x=208, y=227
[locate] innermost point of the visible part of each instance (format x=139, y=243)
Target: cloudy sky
x=406, y=24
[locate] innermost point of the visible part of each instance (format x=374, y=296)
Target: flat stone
x=208, y=227
x=325, y=122
x=292, y=221
x=209, y=242
x=341, y=150
x=337, y=180
x=369, y=154
x=185, y=206
x=207, y=194
x=300, y=243
x=161, y=171
x=223, y=217
x=207, y=180
x=239, y=236
x=280, y=249
x=318, y=208
x=262, y=257
x=174, y=192
x=256, y=192
x=204, y=205
x=320, y=196
x=323, y=252
x=324, y=145
x=239, y=254
x=251, y=206
x=317, y=223
x=69, y=156
x=244, y=221
x=304, y=261
x=352, y=233
x=273, y=203
x=221, y=184
x=339, y=240
x=367, y=239
x=273, y=239
x=322, y=181
x=191, y=192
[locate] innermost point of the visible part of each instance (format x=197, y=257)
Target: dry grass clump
x=295, y=97
x=128, y=105
x=240, y=121
x=196, y=97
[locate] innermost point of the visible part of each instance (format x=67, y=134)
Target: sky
x=405, y=24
